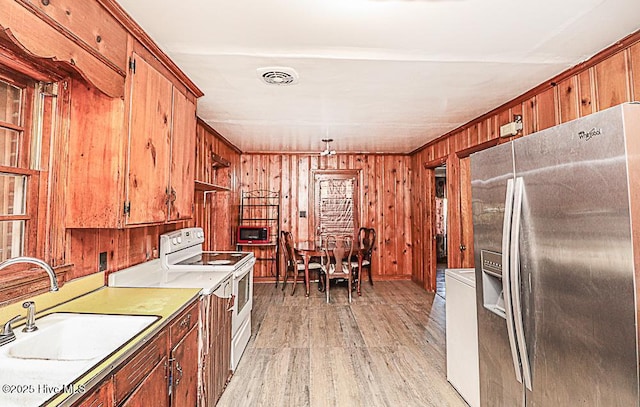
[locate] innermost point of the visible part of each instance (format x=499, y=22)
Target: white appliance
x=183, y=263
x=181, y=251
x=462, y=334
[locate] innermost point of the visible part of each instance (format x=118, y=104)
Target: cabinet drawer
x=183, y=323
x=132, y=374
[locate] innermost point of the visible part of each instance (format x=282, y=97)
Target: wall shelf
x=218, y=161
x=207, y=187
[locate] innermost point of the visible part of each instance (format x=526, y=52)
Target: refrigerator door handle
x=514, y=269
x=506, y=278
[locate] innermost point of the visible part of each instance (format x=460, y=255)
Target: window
x=18, y=181
x=336, y=201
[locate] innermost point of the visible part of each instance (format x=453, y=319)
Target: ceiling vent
x=278, y=75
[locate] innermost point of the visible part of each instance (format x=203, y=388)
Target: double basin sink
x=39, y=365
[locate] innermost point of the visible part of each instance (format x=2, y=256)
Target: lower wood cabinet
x=184, y=356
x=99, y=397
x=146, y=360
x=152, y=391
x=218, y=363
x=164, y=372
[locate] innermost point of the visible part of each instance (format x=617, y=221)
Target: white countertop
x=151, y=274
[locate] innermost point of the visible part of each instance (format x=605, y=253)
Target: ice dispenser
x=492, y=295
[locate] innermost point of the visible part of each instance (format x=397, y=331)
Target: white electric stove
x=183, y=264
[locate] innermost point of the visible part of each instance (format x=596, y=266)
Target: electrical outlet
x=103, y=262
x=303, y=214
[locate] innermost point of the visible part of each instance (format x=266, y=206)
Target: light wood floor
x=385, y=349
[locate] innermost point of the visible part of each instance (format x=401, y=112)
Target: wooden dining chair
x=293, y=262
x=337, y=252
x=366, y=242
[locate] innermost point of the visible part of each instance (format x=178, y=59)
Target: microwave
x=253, y=234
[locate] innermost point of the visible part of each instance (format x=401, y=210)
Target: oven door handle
x=231, y=302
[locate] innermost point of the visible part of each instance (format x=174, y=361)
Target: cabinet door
x=221, y=346
x=185, y=371
x=153, y=389
x=100, y=397
x=183, y=144
x=149, y=144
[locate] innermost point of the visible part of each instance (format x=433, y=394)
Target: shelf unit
x=262, y=208
x=219, y=167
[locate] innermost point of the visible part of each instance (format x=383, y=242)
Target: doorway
x=440, y=226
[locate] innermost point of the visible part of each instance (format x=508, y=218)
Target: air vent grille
x=278, y=76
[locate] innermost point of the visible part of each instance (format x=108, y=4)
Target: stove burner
x=219, y=262
x=237, y=255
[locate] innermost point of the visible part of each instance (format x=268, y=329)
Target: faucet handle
x=6, y=330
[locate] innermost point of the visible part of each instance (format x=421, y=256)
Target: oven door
x=243, y=289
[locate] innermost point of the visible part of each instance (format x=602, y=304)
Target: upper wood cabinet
x=148, y=193
x=143, y=171
x=183, y=143
x=162, y=131
x=127, y=114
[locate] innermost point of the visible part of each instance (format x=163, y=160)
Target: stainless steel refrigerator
x=556, y=219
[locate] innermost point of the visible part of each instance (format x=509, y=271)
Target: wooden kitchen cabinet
x=143, y=167
x=164, y=372
x=125, y=106
x=218, y=365
x=183, y=144
x=184, y=362
x=99, y=397
x=150, y=116
x=152, y=391
x=141, y=366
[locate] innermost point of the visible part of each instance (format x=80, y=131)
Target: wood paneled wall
x=607, y=79
x=386, y=191
x=124, y=247
x=217, y=212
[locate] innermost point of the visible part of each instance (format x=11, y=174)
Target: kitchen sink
x=40, y=364
x=69, y=336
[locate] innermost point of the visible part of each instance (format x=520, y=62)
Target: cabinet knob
x=186, y=321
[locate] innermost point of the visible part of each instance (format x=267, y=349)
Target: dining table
x=313, y=248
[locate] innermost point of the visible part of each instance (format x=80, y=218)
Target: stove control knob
x=174, y=240
x=179, y=239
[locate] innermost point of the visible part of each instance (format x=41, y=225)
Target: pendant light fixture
x=327, y=149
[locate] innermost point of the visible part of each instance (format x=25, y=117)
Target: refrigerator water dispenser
x=492, y=295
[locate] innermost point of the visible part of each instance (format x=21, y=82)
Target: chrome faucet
x=37, y=262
